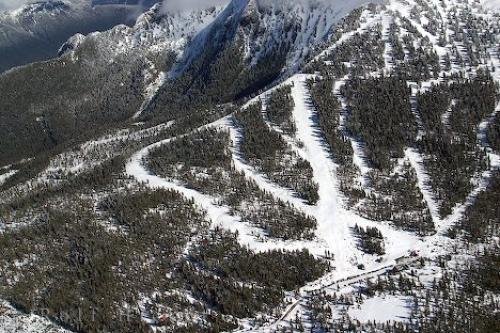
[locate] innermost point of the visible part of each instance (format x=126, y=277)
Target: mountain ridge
x=35, y=31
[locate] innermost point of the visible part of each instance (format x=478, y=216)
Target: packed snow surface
x=382, y=309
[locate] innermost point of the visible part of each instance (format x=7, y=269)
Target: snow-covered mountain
x=266, y=27
x=155, y=29
x=257, y=166
x=36, y=30
x=261, y=28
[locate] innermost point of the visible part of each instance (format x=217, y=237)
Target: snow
x=359, y=157
x=154, y=31
x=491, y=4
x=368, y=23
x=382, y=309
x=219, y=215
x=437, y=243
x=126, y=134
x=82, y=159
x=151, y=91
x=331, y=227
x=287, y=195
x=314, y=23
x=5, y=176
x=221, y=24
x=318, y=24
x=388, y=60
x=15, y=321
x=335, y=221
x=333, y=218
x=483, y=132
x=423, y=181
x=403, y=9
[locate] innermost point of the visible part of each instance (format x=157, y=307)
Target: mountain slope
x=360, y=188
x=36, y=31
x=83, y=89
x=148, y=50
x=251, y=44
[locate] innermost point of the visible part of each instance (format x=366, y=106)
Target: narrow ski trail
x=359, y=157
x=482, y=180
x=423, y=181
x=482, y=136
x=284, y=194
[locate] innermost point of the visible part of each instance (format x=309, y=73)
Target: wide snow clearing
x=382, y=309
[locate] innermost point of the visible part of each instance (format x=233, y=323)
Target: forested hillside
x=260, y=166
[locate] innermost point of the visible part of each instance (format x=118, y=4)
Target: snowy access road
x=337, y=285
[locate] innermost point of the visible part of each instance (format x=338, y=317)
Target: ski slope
x=334, y=232
x=219, y=215
x=335, y=220
x=333, y=227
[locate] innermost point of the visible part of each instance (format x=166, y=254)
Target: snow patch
x=382, y=309
x=491, y=4
x=12, y=320
x=4, y=177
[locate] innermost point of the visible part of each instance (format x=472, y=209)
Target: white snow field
x=491, y=4
x=5, y=176
x=382, y=309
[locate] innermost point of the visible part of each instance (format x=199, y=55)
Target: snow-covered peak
x=176, y=24
x=44, y=6
x=295, y=27
x=72, y=43
x=156, y=29
x=35, y=31
x=265, y=27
